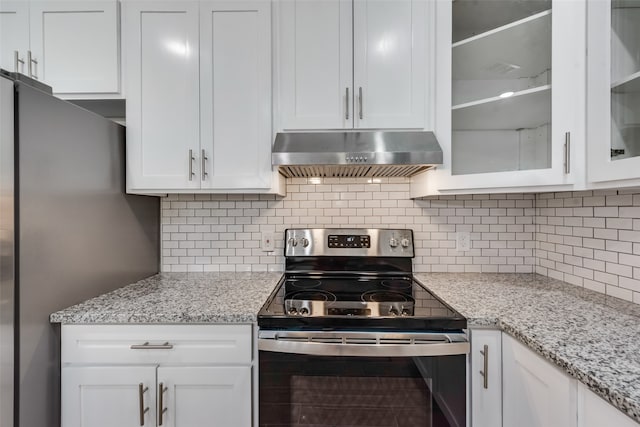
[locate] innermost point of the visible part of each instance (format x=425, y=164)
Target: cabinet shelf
x=471, y=17
x=628, y=84
x=519, y=49
x=525, y=109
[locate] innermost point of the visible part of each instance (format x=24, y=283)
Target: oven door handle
x=360, y=350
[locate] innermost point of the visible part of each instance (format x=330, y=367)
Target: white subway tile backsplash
x=589, y=238
x=603, y=247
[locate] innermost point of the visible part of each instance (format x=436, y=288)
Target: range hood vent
x=355, y=154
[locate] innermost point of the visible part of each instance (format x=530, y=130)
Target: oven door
x=362, y=379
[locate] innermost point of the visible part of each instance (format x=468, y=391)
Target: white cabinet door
x=205, y=396
x=517, y=96
x=593, y=411
x=536, y=393
x=390, y=54
x=14, y=34
x=76, y=46
x=486, y=378
x=613, y=114
x=235, y=102
x=108, y=396
x=315, y=64
x=161, y=48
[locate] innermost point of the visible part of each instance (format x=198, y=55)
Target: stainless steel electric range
x=350, y=337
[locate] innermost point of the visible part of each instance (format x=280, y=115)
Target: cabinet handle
x=485, y=373
x=567, y=152
x=360, y=102
x=204, y=166
x=141, y=391
x=191, y=159
x=346, y=115
x=147, y=346
x=32, y=61
x=17, y=61
x=161, y=408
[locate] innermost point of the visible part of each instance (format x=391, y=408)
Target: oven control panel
x=349, y=242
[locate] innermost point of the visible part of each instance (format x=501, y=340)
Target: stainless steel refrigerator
x=68, y=232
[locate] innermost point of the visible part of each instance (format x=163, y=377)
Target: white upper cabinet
x=613, y=113
x=73, y=46
x=512, y=118
x=78, y=45
x=316, y=64
x=389, y=63
x=14, y=35
x=347, y=64
x=235, y=100
x=161, y=56
x=199, y=96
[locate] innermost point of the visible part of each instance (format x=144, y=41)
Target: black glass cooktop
x=346, y=302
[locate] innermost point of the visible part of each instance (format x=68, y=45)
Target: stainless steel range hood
x=355, y=154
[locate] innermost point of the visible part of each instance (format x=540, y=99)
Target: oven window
x=301, y=390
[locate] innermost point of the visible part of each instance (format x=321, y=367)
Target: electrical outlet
x=268, y=244
x=463, y=241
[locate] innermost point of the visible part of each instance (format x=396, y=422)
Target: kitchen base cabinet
x=101, y=396
x=536, y=393
x=205, y=396
x=593, y=411
x=486, y=378
x=165, y=375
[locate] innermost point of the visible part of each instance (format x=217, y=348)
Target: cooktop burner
x=318, y=295
x=303, y=283
x=384, y=296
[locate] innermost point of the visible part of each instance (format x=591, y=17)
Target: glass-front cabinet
x=517, y=71
x=614, y=91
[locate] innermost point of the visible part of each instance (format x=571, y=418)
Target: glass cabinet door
x=501, y=89
x=613, y=111
x=625, y=79
x=516, y=99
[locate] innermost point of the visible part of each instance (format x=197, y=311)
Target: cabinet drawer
x=173, y=344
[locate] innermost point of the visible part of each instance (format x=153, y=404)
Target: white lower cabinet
x=205, y=396
x=164, y=375
x=593, y=411
x=486, y=378
x=522, y=389
x=536, y=393
x=107, y=396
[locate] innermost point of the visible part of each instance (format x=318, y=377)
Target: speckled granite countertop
x=178, y=298
x=594, y=338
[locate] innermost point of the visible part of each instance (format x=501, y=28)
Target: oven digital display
x=331, y=311
x=349, y=241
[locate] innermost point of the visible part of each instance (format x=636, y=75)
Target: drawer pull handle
x=141, y=391
x=147, y=346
